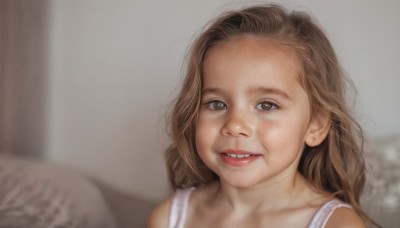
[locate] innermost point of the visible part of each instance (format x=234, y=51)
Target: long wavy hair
x=337, y=164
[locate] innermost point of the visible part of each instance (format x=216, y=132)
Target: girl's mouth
x=238, y=155
x=238, y=158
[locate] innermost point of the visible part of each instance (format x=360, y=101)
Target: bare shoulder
x=345, y=217
x=159, y=216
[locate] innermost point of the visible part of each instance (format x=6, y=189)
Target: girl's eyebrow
x=252, y=90
x=267, y=90
x=211, y=90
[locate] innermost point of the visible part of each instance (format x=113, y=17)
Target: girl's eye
x=266, y=106
x=217, y=105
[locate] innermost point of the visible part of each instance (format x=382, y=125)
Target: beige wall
x=115, y=66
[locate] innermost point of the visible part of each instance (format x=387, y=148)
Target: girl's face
x=255, y=115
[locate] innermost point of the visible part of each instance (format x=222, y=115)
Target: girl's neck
x=280, y=195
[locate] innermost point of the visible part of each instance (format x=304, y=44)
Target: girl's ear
x=318, y=129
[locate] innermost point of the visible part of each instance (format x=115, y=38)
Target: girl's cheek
x=206, y=127
x=270, y=130
x=277, y=132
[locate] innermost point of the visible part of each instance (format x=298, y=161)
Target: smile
x=238, y=158
x=238, y=155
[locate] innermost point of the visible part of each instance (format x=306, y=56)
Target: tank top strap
x=179, y=206
x=324, y=213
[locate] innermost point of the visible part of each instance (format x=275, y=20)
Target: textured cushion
x=34, y=195
x=381, y=199
x=129, y=210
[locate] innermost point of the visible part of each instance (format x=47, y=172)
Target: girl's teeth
x=238, y=155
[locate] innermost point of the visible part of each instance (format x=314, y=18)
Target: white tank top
x=180, y=203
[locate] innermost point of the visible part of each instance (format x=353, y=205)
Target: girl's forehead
x=253, y=44
x=249, y=56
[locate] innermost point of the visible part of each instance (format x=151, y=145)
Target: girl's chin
x=239, y=182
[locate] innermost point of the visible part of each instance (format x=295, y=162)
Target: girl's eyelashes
x=216, y=105
x=266, y=106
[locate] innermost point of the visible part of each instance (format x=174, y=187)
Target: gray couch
x=38, y=194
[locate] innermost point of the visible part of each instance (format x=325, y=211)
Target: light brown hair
x=337, y=164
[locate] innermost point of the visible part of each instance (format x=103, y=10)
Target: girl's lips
x=238, y=157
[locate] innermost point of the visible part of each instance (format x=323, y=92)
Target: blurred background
x=87, y=83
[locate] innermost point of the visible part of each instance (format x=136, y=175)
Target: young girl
x=261, y=133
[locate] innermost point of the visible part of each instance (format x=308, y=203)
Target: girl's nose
x=236, y=126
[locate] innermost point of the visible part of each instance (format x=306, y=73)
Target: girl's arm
x=345, y=218
x=159, y=216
